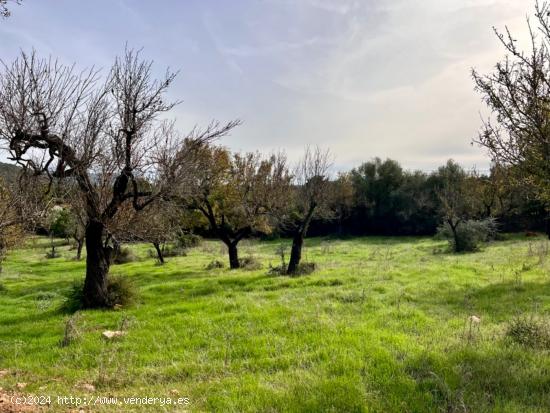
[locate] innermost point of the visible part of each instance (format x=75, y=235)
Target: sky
x=363, y=78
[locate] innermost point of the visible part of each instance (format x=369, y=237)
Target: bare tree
x=157, y=224
x=518, y=93
x=106, y=136
x=238, y=194
x=4, y=10
x=310, y=197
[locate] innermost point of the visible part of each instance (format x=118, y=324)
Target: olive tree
x=106, y=135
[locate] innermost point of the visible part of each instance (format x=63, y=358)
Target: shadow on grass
x=499, y=300
x=487, y=379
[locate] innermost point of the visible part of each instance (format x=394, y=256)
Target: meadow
x=381, y=326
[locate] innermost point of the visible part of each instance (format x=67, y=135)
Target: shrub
x=189, y=240
x=215, y=264
x=2, y=287
x=529, y=332
x=250, y=263
x=305, y=268
x=277, y=270
x=123, y=256
x=120, y=291
x=469, y=234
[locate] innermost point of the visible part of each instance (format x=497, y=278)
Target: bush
x=120, y=291
x=250, y=263
x=188, y=240
x=529, y=332
x=215, y=264
x=277, y=270
x=305, y=268
x=469, y=234
x=124, y=256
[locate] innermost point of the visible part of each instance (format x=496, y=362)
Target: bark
x=52, y=252
x=295, y=253
x=160, y=256
x=79, y=245
x=456, y=238
x=233, y=255
x=298, y=242
x=97, y=266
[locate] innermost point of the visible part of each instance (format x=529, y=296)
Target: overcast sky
x=365, y=78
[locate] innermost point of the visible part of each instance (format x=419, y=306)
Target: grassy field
x=380, y=327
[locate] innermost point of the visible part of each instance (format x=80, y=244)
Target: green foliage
x=121, y=291
x=186, y=240
x=60, y=222
x=468, y=235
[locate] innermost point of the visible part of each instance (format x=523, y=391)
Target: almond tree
x=4, y=10
x=238, y=194
x=309, y=198
x=518, y=93
x=157, y=224
x=106, y=136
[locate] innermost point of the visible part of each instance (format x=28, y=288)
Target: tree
x=105, y=136
x=310, y=197
x=57, y=222
x=518, y=94
x=238, y=194
x=10, y=221
x=458, y=202
x=4, y=11
x=157, y=224
x=22, y=208
x=377, y=189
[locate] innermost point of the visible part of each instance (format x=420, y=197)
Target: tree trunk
x=295, y=253
x=97, y=267
x=52, y=253
x=160, y=256
x=233, y=255
x=298, y=242
x=548, y=226
x=456, y=238
x=79, y=245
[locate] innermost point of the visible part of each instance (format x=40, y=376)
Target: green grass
x=380, y=327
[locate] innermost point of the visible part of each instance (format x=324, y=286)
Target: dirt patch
x=9, y=406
